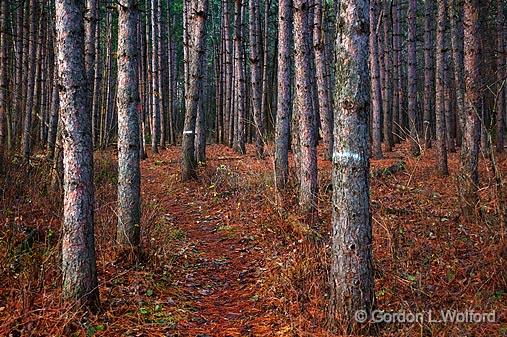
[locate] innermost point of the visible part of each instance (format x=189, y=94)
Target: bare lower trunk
x=351, y=273
x=440, y=88
x=428, y=71
x=129, y=175
x=306, y=113
x=500, y=72
x=412, y=77
x=283, y=116
x=30, y=92
x=468, y=176
x=78, y=246
x=240, y=89
x=197, y=16
x=324, y=101
x=255, y=77
x=457, y=57
x=376, y=99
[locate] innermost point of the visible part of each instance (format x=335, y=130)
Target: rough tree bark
x=384, y=80
x=376, y=98
x=428, y=71
x=457, y=58
x=468, y=177
x=500, y=74
x=129, y=174
x=3, y=78
x=283, y=115
x=305, y=111
x=412, y=77
x=155, y=132
x=351, y=274
x=197, y=18
x=91, y=24
x=439, y=89
x=256, y=77
x=324, y=101
x=30, y=92
x=78, y=246
x=239, y=113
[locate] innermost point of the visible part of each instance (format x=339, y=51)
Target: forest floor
x=227, y=256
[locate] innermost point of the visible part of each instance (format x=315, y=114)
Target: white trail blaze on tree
x=351, y=273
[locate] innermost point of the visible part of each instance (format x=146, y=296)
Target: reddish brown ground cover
x=227, y=256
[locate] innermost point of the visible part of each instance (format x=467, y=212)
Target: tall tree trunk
x=457, y=57
x=376, y=100
x=255, y=77
x=305, y=111
x=500, y=73
x=228, y=117
x=283, y=110
x=197, y=18
x=399, y=66
x=3, y=78
x=129, y=174
x=91, y=25
x=30, y=92
x=78, y=247
x=412, y=77
x=324, y=101
x=240, y=113
x=97, y=78
x=171, y=76
x=351, y=273
x=440, y=88
x=55, y=100
x=429, y=71
x=396, y=72
x=384, y=80
x=200, y=122
x=468, y=177
x=155, y=132
x=265, y=55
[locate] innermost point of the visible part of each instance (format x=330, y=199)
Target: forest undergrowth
x=227, y=256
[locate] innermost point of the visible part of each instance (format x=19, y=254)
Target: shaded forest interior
x=252, y=167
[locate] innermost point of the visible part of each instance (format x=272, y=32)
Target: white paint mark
x=186, y=132
x=347, y=157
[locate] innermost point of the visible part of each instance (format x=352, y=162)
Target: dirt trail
x=216, y=279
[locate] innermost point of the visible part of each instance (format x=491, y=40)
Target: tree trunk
x=3, y=78
x=500, y=72
x=196, y=18
x=457, y=57
x=30, y=84
x=129, y=174
x=306, y=113
x=240, y=90
x=91, y=25
x=351, y=274
x=387, y=121
x=412, y=77
x=440, y=88
x=155, y=132
x=428, y=71
x=255, y=77
x=324, y=101
x=468, y=177
x=228, y=117
x=376, y=100
x=283, y=111
x=78, y=247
